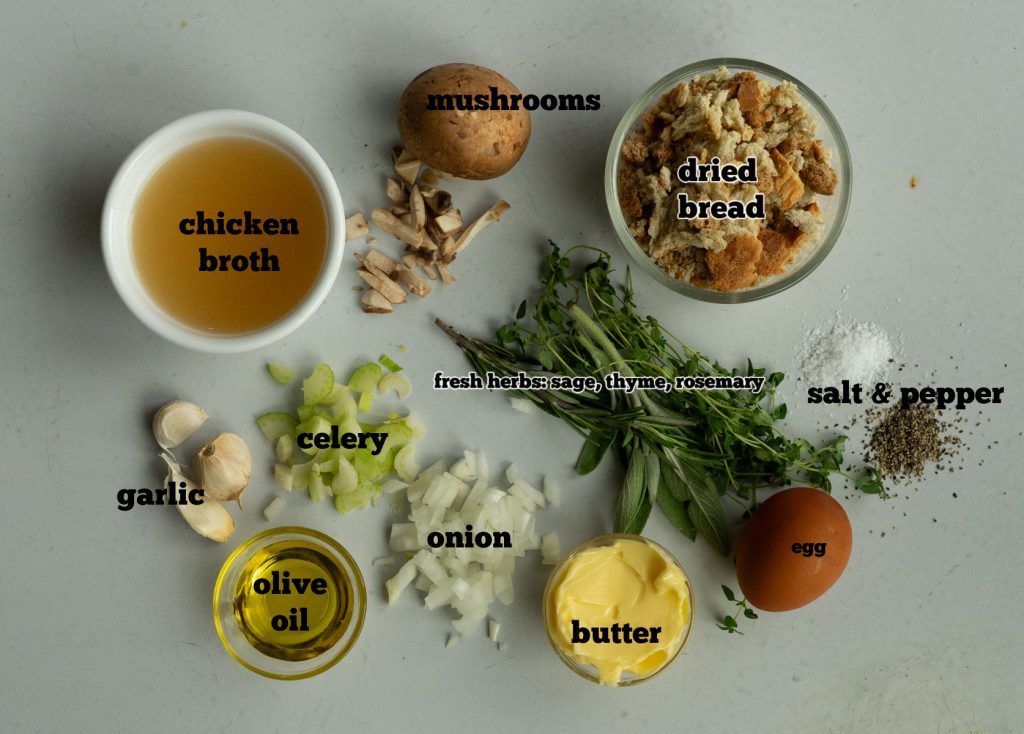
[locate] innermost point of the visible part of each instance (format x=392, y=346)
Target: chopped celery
x=283, y=477
x=366, y=465
x=354, y=477
x=284, y=447
x=365, y=378
x=335, y=394
x=318, y=385
x=405, y=463
x=280, y=372
x=346, y=479
x=344, y=407
x=316, y=486
x=397, y=382
x=389, y=363
x=316, y=424
x=275, y=425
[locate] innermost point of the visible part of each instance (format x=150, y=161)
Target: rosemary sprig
x=683, y=450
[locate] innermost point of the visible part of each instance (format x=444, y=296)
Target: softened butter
x=619, y=605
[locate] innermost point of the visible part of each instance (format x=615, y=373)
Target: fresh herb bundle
x=683, y=450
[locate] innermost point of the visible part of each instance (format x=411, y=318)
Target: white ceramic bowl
x=147, y=158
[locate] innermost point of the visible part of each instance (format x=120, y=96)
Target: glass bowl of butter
x=618, y=609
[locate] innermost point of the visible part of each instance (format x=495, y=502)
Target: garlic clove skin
x=210, y=519
x=176, y=422
x=224, y=467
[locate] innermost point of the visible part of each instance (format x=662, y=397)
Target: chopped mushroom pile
x=423, y=217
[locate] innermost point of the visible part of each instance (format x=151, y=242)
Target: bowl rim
x=147, y=157
x=265, y=537
x=606, y=539
x=779, y=283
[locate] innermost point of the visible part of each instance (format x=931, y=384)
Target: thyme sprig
x=729, y=622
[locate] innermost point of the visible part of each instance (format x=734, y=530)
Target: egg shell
x=771, y=576
x=474, y=144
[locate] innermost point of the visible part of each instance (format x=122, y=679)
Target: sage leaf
x=629, y=511
x=675, y=511
x=594, y=449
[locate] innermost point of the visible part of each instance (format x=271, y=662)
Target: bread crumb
x=735, y=267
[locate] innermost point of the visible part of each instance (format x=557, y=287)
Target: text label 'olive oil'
x=292, y=601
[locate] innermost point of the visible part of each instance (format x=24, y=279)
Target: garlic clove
x=210, y=519
x=176, y=422
x=224, y=467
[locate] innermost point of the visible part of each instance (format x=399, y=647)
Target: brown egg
x=792, y=549
x=475, y=144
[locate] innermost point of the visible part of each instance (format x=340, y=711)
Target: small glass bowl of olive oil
x=289, y=603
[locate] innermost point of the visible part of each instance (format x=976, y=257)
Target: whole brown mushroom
x=473, y=143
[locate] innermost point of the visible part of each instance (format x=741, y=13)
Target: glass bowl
x=833, y=207
x=263, y=561
x=588, y=671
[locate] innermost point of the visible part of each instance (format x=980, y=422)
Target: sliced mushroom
x=374, y=302
x=491, y=215
x=384, y=285
x=356, y=226
x=395, y=226
x=412, y=282
x=395, y=191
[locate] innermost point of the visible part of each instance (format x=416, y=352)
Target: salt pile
x=847, y=350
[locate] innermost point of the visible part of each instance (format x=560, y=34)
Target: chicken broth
x=229, y=235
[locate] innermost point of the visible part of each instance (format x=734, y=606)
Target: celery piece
x=366, y=465
x=316, y=424
x=316, y=486
x=284, y=447
x=405, y=463
x=280, y=372
x=344, y=407
x=397, y=382
x=300, y=475
x=335, y=395
x=346, y=479
x=283, y=477
x=389, y=363
x=275, y=425
x=366, y=402
x=365, y=378
x=318, y=385
x=305, y=412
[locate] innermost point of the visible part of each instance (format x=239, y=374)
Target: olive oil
x=292, y=601
x=229, y=235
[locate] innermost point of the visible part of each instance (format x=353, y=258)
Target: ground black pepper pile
x=904, y=440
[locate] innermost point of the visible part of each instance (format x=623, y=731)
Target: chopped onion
x=447, y=500
x=550, y=549
x=523, y=405
x=397, y=583
x=552, y=492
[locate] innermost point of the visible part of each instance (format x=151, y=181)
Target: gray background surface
x=105, y=616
